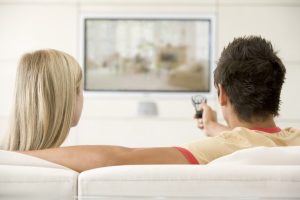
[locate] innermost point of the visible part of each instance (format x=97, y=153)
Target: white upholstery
x=21, y=182
x=262, y=156
x=258, y=173
x=27, y=177
x=192, y=181
x=14, y=158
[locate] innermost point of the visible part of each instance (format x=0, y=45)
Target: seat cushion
x=262, y=156
x=198, y=181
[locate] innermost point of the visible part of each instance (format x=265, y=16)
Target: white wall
x=29, y=25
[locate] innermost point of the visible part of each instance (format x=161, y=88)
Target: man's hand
x=208, y=123
x=208, y=116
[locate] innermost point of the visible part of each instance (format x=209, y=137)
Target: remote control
x=197, y=100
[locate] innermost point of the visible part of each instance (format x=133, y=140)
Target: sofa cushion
x=195, y=181
x=262, y=156
x=14, y=158
x=27, y=177
x=36, y=183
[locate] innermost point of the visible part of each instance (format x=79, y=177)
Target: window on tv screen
x=160, y=55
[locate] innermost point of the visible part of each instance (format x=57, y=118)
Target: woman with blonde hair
x=48, y=100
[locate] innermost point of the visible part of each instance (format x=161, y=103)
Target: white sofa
x=258, y=173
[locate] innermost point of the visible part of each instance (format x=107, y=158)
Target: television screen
x=147, y=55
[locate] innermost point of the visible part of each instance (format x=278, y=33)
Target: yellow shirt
x=208, y=149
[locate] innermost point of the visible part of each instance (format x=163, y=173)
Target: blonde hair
x=47, y=84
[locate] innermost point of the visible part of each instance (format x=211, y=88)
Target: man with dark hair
x=249, y=78
x=251, y=75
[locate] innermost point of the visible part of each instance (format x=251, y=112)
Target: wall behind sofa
x=27, y=25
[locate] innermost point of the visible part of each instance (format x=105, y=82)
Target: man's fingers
x=204, y=106
x=200, y=124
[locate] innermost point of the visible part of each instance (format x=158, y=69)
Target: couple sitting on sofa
x=49, y=99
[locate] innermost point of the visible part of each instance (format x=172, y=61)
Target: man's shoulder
x=237, y=134
x=243, y=130
x=291, y=130
x=244, y=133
x=237, y=131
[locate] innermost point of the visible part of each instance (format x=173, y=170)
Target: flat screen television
x=147, y=54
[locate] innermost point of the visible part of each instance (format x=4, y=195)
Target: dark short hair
x=252, y=76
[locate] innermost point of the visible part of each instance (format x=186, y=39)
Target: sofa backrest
x=27, y=177
x=245, y=173
x=262, y=156
x=14, y=158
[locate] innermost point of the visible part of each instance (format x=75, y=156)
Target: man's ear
x=223, y=98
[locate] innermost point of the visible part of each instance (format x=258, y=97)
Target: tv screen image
x=143, y=54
